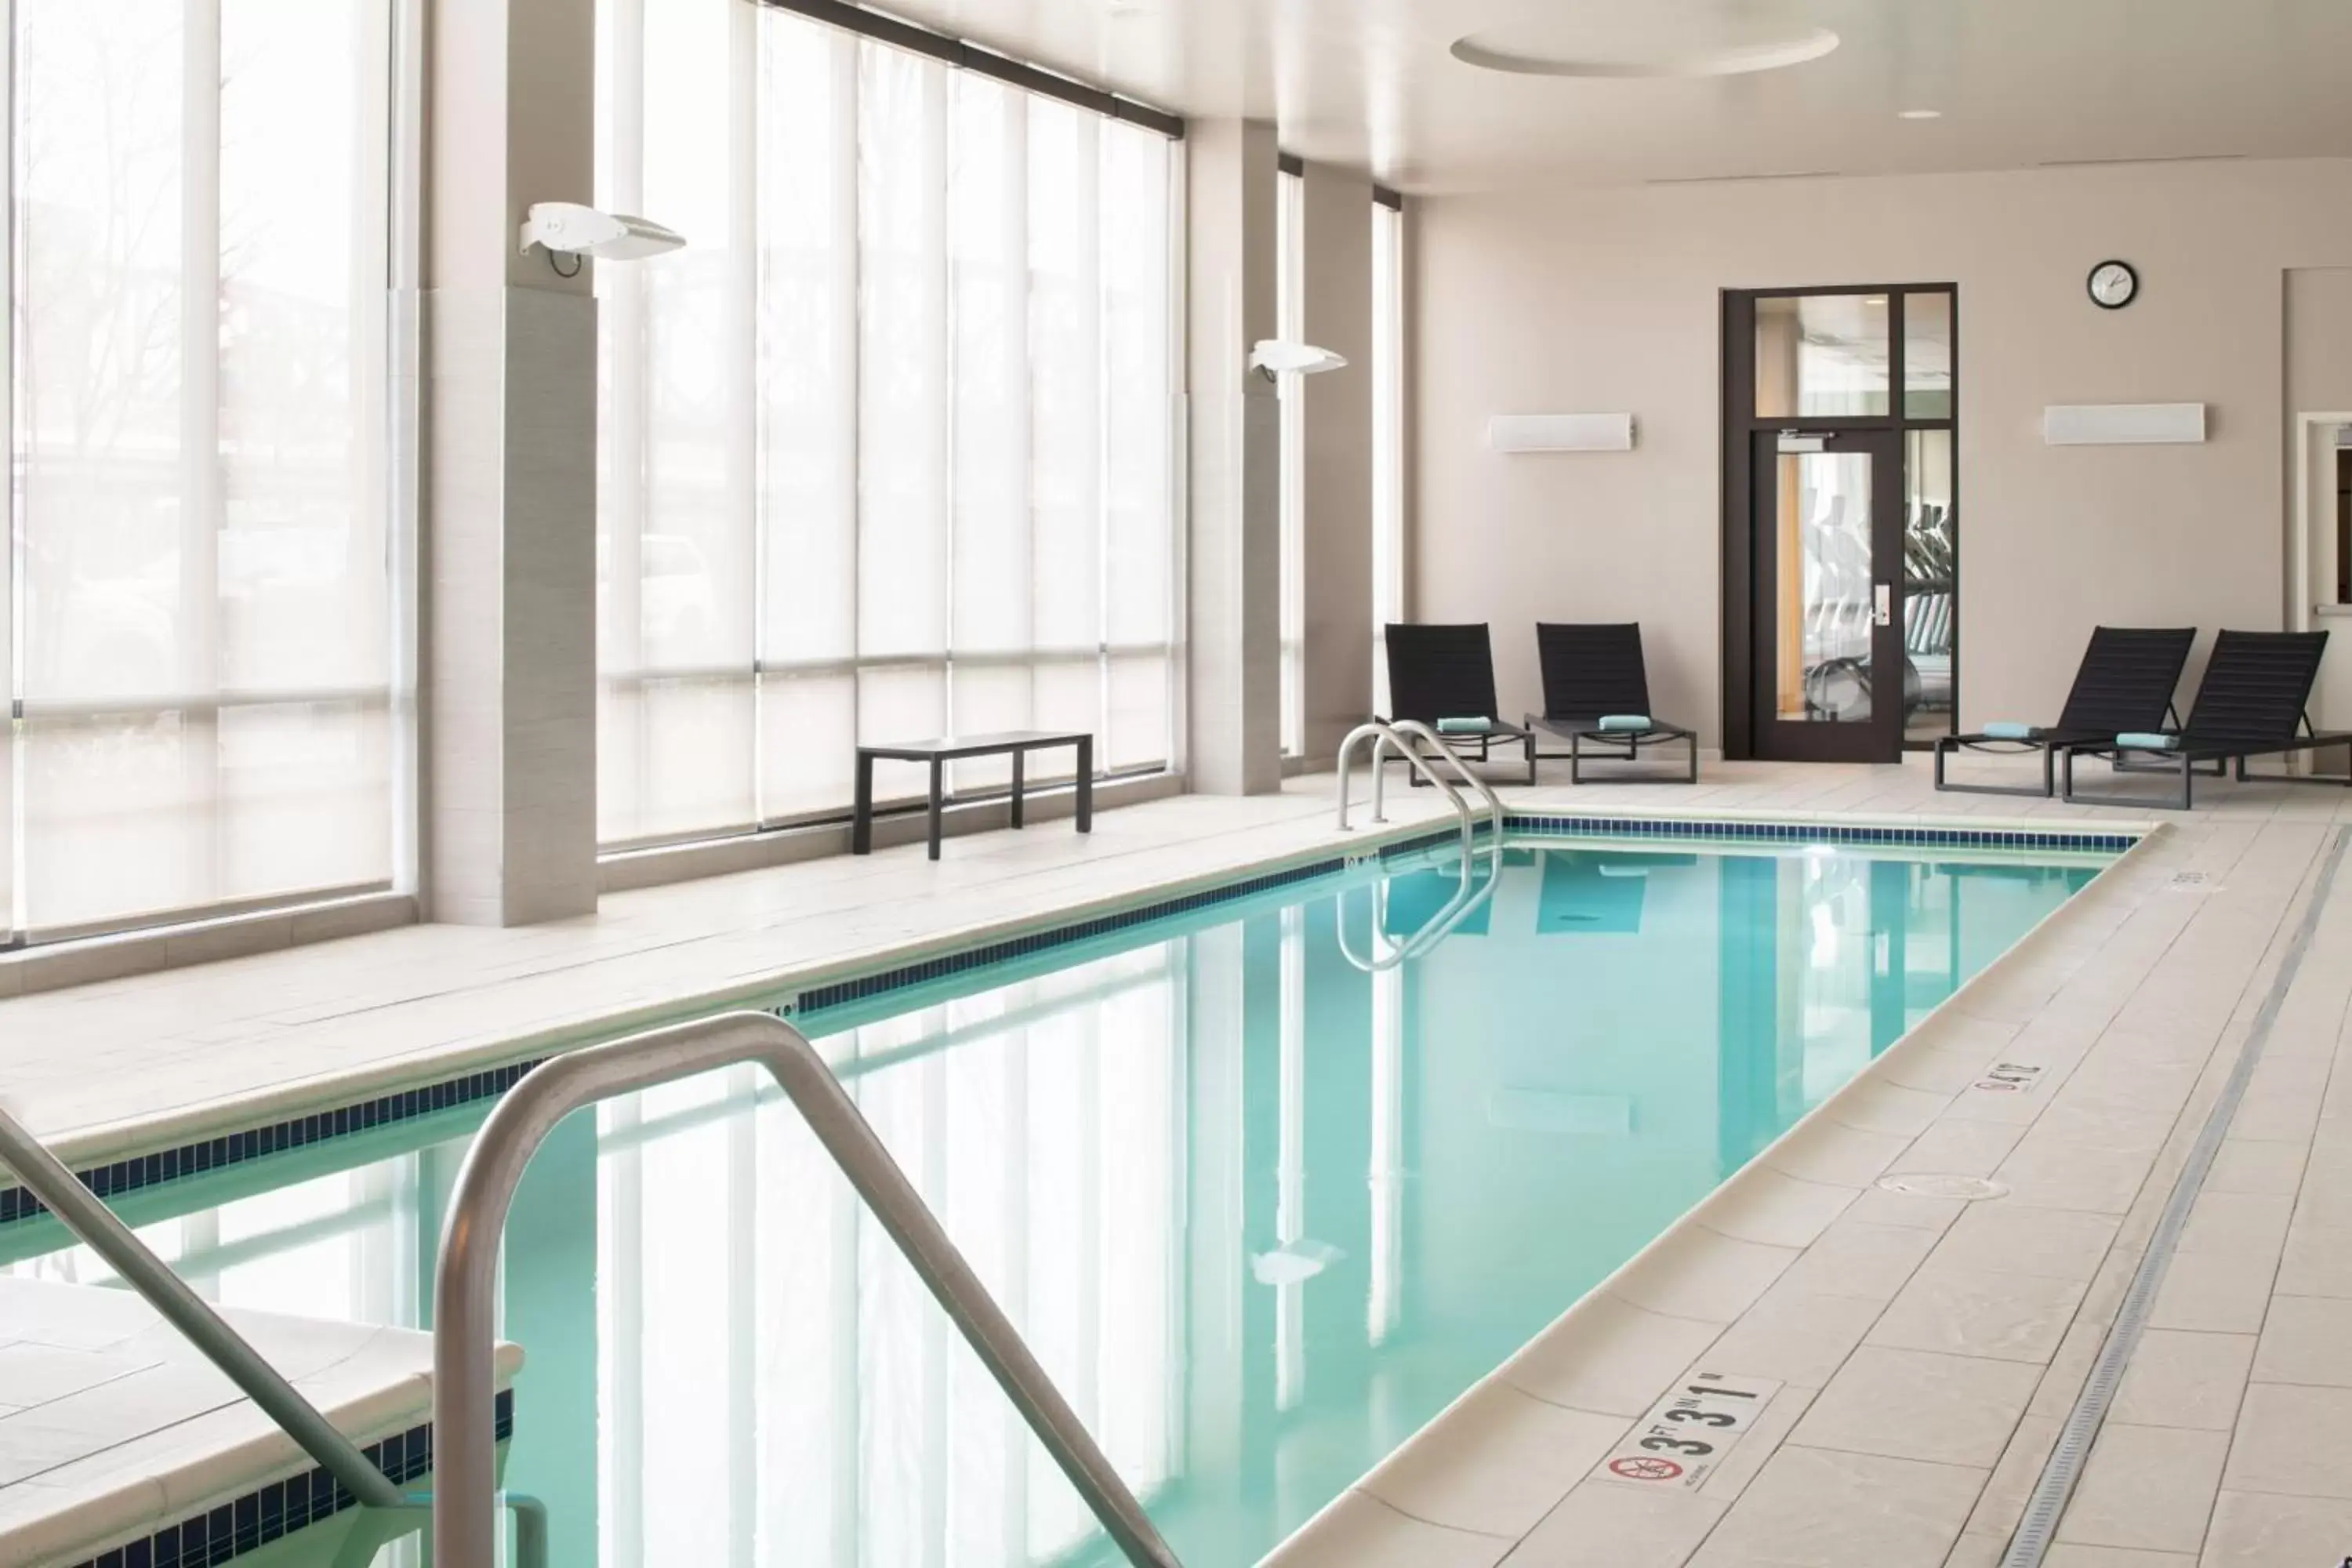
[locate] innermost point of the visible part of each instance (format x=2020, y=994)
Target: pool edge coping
x=1309, y=1545
x=136, y=1508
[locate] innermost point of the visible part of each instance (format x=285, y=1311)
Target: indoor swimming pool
x=1265, y=1184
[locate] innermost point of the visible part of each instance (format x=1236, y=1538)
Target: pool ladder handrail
x=1415, y=726
x=1386, y=737
x=82, y=1212
x=1471, y=893
x=465, y=1449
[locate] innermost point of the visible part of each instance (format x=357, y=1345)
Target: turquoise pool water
x=1261, y=1213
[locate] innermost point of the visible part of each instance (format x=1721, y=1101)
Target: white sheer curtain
x=198, y=597
x=886, y=449
x=1388, y=438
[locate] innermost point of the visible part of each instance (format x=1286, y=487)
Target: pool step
x=113, y=1429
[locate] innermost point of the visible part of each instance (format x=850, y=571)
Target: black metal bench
x=939, y=754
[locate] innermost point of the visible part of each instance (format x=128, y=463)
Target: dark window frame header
x=985, y=62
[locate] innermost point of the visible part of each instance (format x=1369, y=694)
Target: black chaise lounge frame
x=2252, y=703
x=2124, y=686
x=1590, y=672
x=1448, y=672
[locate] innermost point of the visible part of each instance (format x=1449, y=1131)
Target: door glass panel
x=1927, y=356
x=1930, y=574
x=1822, y=356
x=1823, y=566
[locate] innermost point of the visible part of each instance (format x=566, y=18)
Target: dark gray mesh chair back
x=1593, y=672
x=2126, y=680
x=1441, y=672
x=2256, y=689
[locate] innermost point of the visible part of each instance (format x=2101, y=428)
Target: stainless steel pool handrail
x=1383, y=737
x=465, y=1449
x=81, y=1211
x=1415, y=726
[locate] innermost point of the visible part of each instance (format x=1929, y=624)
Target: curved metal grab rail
x=1415, y=726
x=466, y=1447
x=80, y=1211
x=1382, y=736
x=1471, y=894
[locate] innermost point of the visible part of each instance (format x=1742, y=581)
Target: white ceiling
x=1372, y=83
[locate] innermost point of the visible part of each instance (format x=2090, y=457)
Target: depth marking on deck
x=2007, y=1077
x=1687, y=1433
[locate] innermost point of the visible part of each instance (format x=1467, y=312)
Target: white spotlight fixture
x=1918, y=114
x=1273, y=356
x=568, y=228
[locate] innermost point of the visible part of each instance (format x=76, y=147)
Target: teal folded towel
x=1619, y=724
x=2009, y=730
x=2141, y=741
x=1464, y=726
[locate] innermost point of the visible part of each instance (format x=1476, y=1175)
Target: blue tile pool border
x=253, y=1521
x=194, y=1159
x=1859, y=835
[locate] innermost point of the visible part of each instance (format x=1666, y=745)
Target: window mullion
x=201, y=448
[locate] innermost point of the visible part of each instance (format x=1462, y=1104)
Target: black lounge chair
x=2252, y=703
x=1439, y=672
x=1596, y=672
x=2123, y=687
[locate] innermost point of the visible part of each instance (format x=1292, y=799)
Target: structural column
x=508, y=622
x=1338, y=663
x=1234, y=689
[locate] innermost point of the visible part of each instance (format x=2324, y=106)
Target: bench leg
x=1086, y=785
x=1018, y=757
x=861, y=818
x=938, y=768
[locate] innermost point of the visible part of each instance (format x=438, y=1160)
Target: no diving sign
x=2007, y=1077
x=1685, y=1435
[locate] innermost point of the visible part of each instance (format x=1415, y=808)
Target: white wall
x=2319, y=380
x=1610, y=300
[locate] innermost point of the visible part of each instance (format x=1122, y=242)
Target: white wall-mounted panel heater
x=1560, y=432
x=2122, y=424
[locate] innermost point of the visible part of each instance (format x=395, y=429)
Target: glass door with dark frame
x=1840, y=552
x=1828, y=538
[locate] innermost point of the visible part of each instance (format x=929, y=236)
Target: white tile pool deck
x=1928, y=1348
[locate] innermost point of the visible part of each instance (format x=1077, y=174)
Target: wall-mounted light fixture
x=568, y=228
x=1273, y=356
x=2122, y=424
x=1560, y=432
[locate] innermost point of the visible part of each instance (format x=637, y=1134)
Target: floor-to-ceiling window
x=1388, y=431
x=196, y=631
x=886, y=450
x=1290, y=326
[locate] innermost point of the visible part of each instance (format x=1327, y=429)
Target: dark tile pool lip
x=890, y=972
x=252, y=1520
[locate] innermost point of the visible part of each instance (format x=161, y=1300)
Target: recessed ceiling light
x=1918, y=114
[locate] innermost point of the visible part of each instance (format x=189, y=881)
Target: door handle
x=1883, y=605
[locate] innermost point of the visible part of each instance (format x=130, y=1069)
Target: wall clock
x=2112, y=285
